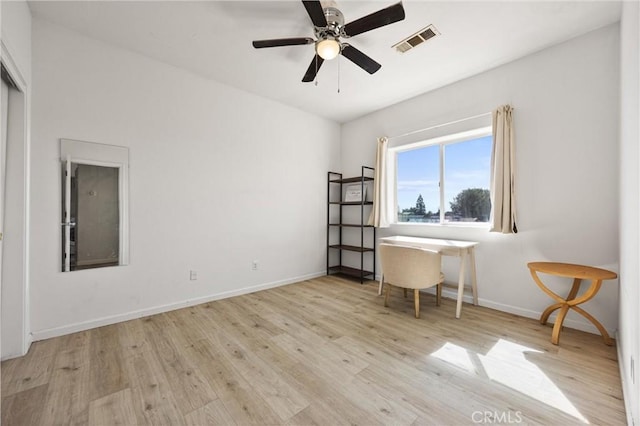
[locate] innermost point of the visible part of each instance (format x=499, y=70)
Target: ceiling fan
x=329, y=29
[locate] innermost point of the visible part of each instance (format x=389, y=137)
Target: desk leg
x=574, y=289
x=590, y=293
x=547, y=312
x=474, y=282
x=607, y=340
x=557, y=327
x=572, y=295
x=463, y=258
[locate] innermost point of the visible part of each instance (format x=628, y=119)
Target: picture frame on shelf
x=355, y=193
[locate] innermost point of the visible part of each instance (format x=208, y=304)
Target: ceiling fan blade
x=360, y=59
x=315, y=65
x=259, y=44
x=314, y=9
x=375, y=20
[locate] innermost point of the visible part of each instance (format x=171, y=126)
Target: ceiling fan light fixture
x=328, y=48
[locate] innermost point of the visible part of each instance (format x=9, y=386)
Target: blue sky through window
x=467, y=165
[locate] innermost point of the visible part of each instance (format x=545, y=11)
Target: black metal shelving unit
x=336, y=227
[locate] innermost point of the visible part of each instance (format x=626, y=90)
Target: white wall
x=566, y=126
x=629, y=333
x=16, y=34
x=218, y=178
x=16, y=55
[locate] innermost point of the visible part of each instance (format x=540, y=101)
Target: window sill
x=483, y=225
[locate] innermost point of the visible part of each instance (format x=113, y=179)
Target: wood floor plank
x=113, y=409
x=317, y=415
x=277, y=393
x=190, y=389
x=329, y=398
x=24, y=373
x=133, y=339
x=68, y=394
x=214, y=413
x=236, y=394
x=306, y=315
x=187, y=321
x=250, y=328
x=105, y=361
x=425, y=396
x=322, y=351
x=322, y=356
x=25, y=407
x=152, y=394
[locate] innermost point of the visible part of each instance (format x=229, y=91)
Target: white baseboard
x=450, y=294
x=582, y=325
x=626, y=392
x=113, y=319
x=528, y=313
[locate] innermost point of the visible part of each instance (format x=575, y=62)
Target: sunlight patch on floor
x=506, y=363
x=455, y=355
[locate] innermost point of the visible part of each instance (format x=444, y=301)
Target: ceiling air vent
x=416, y=39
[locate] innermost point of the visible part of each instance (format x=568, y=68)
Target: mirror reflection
x=94, y=205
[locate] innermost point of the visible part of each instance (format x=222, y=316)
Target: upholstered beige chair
x=410, y=268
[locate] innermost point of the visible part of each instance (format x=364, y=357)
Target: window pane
x=466, y=180
x=418, y=185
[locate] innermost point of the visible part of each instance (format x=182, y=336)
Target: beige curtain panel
x=380, y=216
x=503, y=201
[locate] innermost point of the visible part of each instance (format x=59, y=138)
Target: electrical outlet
x=254, y=265
x=193, y=275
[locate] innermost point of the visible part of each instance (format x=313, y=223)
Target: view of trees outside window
x=466, y=182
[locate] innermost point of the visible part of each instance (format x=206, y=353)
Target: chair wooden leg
x=405, y=292
x=380, y=286
x=386, y=295
x=438, y=294
x=416, y=300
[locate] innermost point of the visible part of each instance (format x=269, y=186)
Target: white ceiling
x=213, y=39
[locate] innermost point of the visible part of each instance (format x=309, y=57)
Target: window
x=444, y=180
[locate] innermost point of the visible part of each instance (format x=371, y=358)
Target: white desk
x=447, y=248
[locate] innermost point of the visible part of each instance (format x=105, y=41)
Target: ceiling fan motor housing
x=335, y=22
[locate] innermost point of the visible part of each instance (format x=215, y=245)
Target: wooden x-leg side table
x=578, y=273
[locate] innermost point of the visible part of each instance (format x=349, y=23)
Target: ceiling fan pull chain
x=338, y=73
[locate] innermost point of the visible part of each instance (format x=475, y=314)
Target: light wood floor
x=324, y=352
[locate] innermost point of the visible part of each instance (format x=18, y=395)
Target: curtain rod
x=439, y=125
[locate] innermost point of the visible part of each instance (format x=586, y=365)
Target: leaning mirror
x=94, y=205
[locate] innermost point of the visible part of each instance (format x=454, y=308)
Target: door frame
x=22, y=87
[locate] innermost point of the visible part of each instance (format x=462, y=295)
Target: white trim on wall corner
x=87, y=325
x=626, y=385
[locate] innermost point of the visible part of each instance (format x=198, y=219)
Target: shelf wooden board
x=351, y=203
x=350, y=225
x=351, y=248
x=352, y=179
x=351, y=272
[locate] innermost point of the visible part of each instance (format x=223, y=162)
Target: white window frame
x=442, y=141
